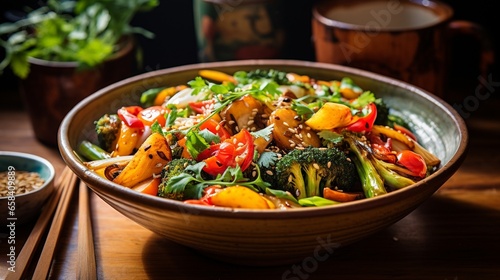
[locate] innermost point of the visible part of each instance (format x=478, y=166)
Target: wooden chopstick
x=86, y=268
x=68, y=185
x=27, y=253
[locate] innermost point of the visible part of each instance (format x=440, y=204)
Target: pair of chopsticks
x=57, y=208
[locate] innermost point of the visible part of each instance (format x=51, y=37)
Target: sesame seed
x=269, y=172
x=249, y=123
x=348, y=159
x=285, y=123
x=264, y=116
x=316, y=166
x=329, y=164
x=231, y=122
x=254, y=173
x=308, y=135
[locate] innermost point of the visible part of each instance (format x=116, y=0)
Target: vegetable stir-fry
x=262, y=139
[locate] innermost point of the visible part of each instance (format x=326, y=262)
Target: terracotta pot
x=52, y=89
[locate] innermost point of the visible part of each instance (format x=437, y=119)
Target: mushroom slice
x=290, y=131
x=245, y=112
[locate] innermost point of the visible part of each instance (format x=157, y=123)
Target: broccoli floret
x=108, y=130
x=275, y=75
x=173, y=168
x=306, y=172
x=382, y=112
x=176, y=149
x=266, y=162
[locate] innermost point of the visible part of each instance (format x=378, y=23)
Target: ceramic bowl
x=255, y=237
x=27, y=206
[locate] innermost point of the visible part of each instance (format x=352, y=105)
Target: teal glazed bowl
x=266, y=237
x=27, y=206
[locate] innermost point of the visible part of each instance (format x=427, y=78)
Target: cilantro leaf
x=267, y=159
x=264, y=133
x=195, y=143
x=198, y=84
x=171, y=116
x=209, y=136
x=331, y=136
x=218, y=89
x=363, y=100
x=156, y=127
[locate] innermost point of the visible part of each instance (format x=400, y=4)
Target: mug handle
x=476, y=32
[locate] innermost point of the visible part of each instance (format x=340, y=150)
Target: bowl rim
x=39, y=159
x=123, y=193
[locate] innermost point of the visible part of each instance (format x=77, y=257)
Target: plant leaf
x=20, y=66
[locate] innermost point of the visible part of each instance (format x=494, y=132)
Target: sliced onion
x=103, y=163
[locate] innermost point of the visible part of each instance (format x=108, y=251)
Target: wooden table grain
x=454, y=235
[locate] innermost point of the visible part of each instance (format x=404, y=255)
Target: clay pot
x=52, y=89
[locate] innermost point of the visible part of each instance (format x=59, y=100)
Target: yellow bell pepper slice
x=329, y=116
x=241, y=197
x=217, y=76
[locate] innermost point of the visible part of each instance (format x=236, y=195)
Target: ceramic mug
x=238, y=29
x=409, y=40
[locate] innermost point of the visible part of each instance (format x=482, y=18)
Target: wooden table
x=454, y=235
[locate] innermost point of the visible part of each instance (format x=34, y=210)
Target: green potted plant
x=67, y=49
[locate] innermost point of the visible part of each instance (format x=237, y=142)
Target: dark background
x=175, y=41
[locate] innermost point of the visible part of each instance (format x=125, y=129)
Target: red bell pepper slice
x=414, y=162
x=129, y=116
x=237, y=150
x=216, y=128
x=208, y=192
x=366, y=122
x=202, y=107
